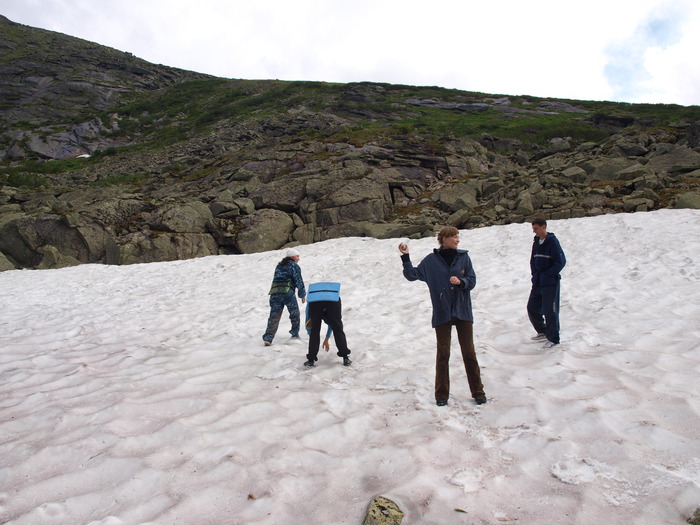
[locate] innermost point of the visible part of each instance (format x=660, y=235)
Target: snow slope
x=143, y=394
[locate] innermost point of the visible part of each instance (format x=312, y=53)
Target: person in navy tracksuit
x=287, y=279
x=450, y=277
x=546, y=263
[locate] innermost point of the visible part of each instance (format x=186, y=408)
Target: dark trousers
x=465, y=335
x=543, y=310
x=334, y=318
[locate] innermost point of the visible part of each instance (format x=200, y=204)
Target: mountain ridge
x=107, y=158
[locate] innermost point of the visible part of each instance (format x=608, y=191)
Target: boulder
x=148, y=246
x=492, y=187
x=525, y=206
x=20, y=241
x=595, y=200
x=383, y=511
x=646, y=193
x=224, y=209
x=576, y=174
x=5, y=263
x=306, y=234
x=558, y=144
x=456, y=197
x=247, y=206
x=605, y=168
x=264, y=230
x=284, y=194
x=94, y=237
x=376, y=230
x=52, y=258
x=23, y=240
x=191, y=217
x=355, y=201
x=633, y=145
x=39, y=203
x=633, y=203
x=15, y=152
x=689, y=199
x=634, y=171
x=674, y=160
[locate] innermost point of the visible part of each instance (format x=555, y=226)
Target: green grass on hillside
x=373, y=112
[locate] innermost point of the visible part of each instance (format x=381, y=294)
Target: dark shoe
x=346, y=361
x=480, y=399
x=442, y=402
x=309, y=363
x=267, y=343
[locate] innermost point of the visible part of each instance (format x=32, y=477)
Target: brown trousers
x=465, y=335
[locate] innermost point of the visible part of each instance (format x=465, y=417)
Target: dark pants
x=334, y=318
x=543, y=310
x=277, y=303
x=465, y=335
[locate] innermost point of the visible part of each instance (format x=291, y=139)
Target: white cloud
x=645, y=64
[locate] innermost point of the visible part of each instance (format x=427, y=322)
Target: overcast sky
x=620, y=50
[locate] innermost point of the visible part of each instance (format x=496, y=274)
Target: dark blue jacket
x=449, y=300
x=546, y=261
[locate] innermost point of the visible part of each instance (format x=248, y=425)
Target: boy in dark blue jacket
x=546, y=262
x=450, y=277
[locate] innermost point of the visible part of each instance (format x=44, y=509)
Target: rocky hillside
x=105, y=158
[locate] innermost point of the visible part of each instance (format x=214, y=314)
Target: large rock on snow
x=264, y=230
x=25, y=238
x=383, y=511
x=689, y=199
x=5, y=263
x=149, y=246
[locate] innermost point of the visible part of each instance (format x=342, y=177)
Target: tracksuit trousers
x=543, y=310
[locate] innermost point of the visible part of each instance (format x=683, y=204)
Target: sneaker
x=480, y=399
x=309, y=363
x=267, y=343
x=346, y=361
x=539, y=337
x=442, y=402
x=549, y=344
